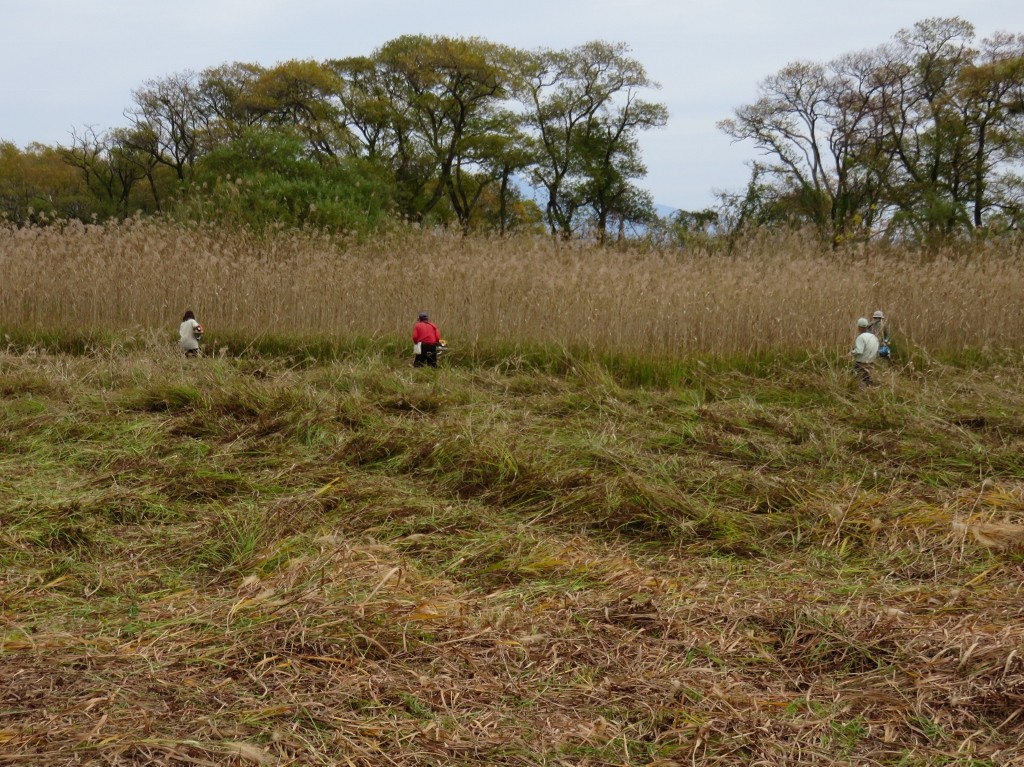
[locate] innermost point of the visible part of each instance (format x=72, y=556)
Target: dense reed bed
x=772, y=293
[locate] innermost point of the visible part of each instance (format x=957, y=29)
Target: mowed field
x=600, y=552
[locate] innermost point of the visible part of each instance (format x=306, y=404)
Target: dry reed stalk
x=772, y=295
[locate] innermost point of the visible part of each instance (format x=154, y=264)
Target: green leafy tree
x=446, y=95
x=224, y=95
x=609, y=160
x=37, y=185
x=301, y=94
x=927, y=129
x=432, y=129
x=266, y=177
x=437, y=111
x=585, y=113
x=367, y=98
x=990, y=92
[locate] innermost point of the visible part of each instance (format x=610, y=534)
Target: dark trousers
x=427, y=356
x=863, y=371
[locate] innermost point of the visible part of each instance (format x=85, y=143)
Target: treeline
x=427, y=129
x=921, y=138
x=918, y=140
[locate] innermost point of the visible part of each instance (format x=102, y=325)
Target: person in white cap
x=865, y=350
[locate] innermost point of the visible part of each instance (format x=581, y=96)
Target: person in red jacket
x=425, y=338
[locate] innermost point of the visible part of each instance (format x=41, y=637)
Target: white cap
x=863, y=322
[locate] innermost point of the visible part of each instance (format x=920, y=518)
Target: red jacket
x=425, y=332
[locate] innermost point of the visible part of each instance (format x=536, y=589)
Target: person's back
x=189, y=333
x=865, y=348
x=425, y=338
x=880, y=327
x=425, y=332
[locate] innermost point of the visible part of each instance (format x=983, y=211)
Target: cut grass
x=245, y=560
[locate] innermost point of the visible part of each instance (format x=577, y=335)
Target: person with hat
x=879, y=325
x=425, y=338
x=865, y=350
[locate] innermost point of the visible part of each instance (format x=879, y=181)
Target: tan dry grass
x=343, y=656
x=192, y=576
x=772, y=295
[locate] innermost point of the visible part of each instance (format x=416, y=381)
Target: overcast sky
x=71, y=64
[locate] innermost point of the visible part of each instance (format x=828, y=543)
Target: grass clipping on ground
x=238, y=561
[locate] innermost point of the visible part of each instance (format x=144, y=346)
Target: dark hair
x=188, y=316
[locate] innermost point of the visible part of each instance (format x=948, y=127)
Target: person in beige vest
x=865, y=351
